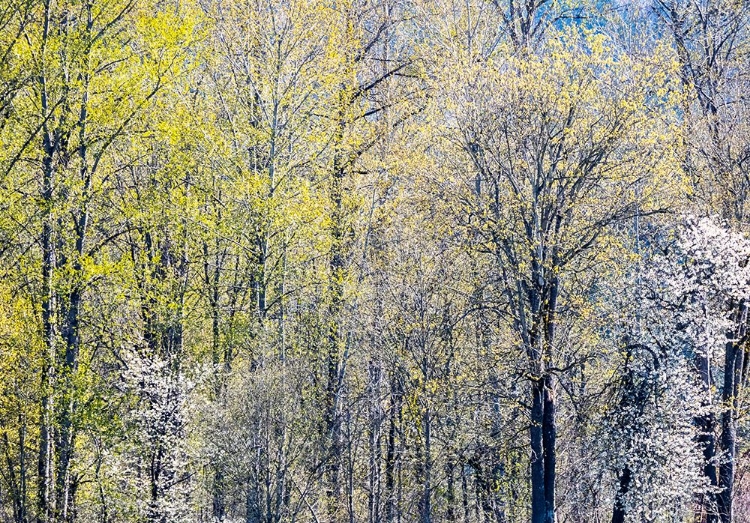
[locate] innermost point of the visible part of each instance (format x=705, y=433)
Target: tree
x=382, y=261
x=550, y=168
x=78, y=55
x=710, y=38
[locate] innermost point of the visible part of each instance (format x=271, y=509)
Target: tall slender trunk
x=728, y=439
x=733, y=365
x=543, y=409
x=706, y=424
x=450, y=491
x=374, y=479
x=392, y=454
x=22, y=494
x=48, y=370
x=66, y=433
x=49, y=262
x=335, y=337
x=425, y=503
x=211, y=277
x=538, y=498
x=549, y=437
x=549, y=428
x=333, y=415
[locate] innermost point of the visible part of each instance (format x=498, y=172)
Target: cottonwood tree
x=21, y=344
x=261, y=247
x=546, y=168
x=364, y=43
x=80, y=54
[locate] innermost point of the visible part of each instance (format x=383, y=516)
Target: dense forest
x=374, y=261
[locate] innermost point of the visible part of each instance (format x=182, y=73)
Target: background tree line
x=374, y=261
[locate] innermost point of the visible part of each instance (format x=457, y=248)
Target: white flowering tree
x=691, y=312
x=157, y=424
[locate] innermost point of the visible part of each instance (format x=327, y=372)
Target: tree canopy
x=374, y=261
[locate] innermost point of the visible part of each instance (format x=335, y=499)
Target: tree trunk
x=543, y=408
x=618, y=513
x=450, y=491
x=728, y=440
x=733, y=365
x=425, y=503
x=335, y=337
x=66, y=437
x=391, y=454
x=706, y=440
x=374, y=480
x=549, y=437
x=538, y=497
x=49, y=261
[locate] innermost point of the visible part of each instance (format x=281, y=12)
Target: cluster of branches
x=374, y=260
